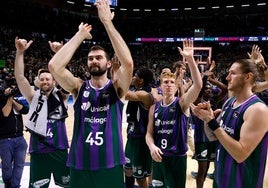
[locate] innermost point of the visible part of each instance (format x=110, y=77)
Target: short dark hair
x=40, y=71
x=145, y=74
x=178, y=64
x=98, y=47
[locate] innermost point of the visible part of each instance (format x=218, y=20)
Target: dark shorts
x=171, y=172
x=110, y=177
x=138, y=157
x=42, y=165
x=205, y=151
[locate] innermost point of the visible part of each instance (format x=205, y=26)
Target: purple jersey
x=97, y=141
x=229, y=173
x=170, y=128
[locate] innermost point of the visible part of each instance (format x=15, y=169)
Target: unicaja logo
x=157, y=183
x=85, y=106
x=86, y=94
x=40, y=183
x=65, y=179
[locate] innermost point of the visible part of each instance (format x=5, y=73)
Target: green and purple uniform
x=56, y=138
x=49, y=153
x=97, y=143
x=204, y=149
x=229, y=173
x=170, y=135
x=170, y=129
x=137, y=153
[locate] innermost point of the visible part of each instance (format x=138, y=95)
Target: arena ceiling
x=206, y=6
x=182, y=3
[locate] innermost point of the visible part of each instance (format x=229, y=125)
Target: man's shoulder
x=256, y=110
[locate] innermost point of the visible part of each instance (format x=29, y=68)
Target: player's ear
x=109, y=64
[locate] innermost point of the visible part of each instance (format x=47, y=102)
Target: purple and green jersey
x=97, y=141
x=170, y=128
x=137, y=118
x=229, y=173
x=56, y=138
x=199, y=133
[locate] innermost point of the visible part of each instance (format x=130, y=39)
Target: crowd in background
x=42, y=23
x=154, y=56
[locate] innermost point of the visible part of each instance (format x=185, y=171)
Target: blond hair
x=167, y=75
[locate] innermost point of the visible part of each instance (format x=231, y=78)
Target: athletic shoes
x=193, y=174
x=210, y=176
x=194, y=156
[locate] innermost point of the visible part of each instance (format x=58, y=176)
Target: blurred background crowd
x=43, y=21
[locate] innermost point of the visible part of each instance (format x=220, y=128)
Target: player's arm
x=154, y=150
x=57, y=65
x=191, y=95
x=252, y=132
x=144, y=97
x=24, y=86
x=124, y=73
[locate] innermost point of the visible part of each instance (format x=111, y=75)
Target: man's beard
x=46, y=89
x=98, y=72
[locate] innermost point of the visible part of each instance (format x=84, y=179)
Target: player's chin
x=46, y=88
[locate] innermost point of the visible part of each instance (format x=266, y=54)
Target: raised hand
x=257, y=57
x=212, y=66
x=22, y=44
x=255, y=53
x=188, y=48
x=104, y=10
x=85, y=29
x=55, y=46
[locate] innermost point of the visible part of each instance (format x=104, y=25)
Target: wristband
x=24, y=110
x=213, y=124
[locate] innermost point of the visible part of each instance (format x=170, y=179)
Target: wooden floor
x=191, y=164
